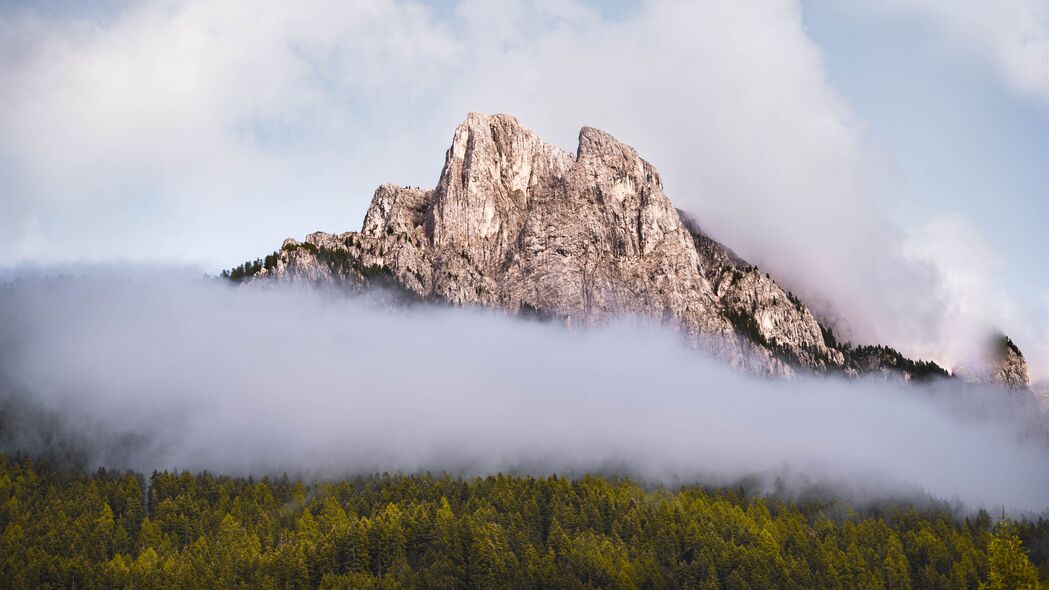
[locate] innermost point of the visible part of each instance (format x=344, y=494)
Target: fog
x=159, y=368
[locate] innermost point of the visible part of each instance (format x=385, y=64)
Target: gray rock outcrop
x=519, y=224
x=1009, y=368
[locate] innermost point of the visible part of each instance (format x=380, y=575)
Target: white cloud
x=969, y=269
x=212, y=117
x=972, y=299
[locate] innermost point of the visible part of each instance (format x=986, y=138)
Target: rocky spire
x=1009, y=367
x=523, y=225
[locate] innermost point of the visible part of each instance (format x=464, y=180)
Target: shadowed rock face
x=1001, y=363
x=522, y=225
x=1010, y=368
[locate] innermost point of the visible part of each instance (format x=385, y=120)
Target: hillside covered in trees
x=68, y=529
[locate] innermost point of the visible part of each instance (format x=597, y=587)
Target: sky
x=884, y=159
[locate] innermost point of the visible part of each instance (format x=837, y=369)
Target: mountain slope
x=1002, y=363
x=522, y=225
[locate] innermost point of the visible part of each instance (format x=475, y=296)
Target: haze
x=152, y=368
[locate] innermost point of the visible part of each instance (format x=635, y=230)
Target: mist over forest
x=155, y=368
x=530, y=294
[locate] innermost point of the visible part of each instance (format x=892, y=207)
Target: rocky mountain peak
x=522, y=225
x=604, y=150
x=997, y=361
x=1010, y=367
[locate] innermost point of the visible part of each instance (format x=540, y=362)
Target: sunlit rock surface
x=522, y=225
x=1008, y=366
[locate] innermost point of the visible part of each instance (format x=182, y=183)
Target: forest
x=65, y=528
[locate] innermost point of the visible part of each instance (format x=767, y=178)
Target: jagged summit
x=1010, y=367
x=1001, y=362
x=520, y=224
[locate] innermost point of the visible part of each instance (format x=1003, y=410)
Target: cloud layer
x=156, y=369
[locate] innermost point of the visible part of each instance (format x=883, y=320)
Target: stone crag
x=522, y=225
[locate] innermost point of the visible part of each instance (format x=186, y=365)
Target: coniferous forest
x=62, y=528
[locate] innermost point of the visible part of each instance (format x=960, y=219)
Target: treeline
x=868, y=359
x=250, y=268
x=63, y=529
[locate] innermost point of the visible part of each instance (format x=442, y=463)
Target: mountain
x=1010, y=366
x=522, y=225
x=1001, y=363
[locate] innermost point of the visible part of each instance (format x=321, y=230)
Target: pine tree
x=1011, y=569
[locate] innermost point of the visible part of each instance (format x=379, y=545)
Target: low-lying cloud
x=162, y=369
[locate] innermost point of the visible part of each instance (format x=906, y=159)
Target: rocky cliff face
x=760, y=310
x=522, y=225
x=1009, y=367
x=999, y=363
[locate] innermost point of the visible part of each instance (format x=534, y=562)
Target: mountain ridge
x=525, y=226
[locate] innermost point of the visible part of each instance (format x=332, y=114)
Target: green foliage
x=831, y=340
x=250, y=268
x=65, y=529
x=291, y=246
x=1010, y=567
x=872, y=358
x=747, y=326
x=374, y=275
x=867, y=359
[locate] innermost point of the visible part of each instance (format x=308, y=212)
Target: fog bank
x=155, y=369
